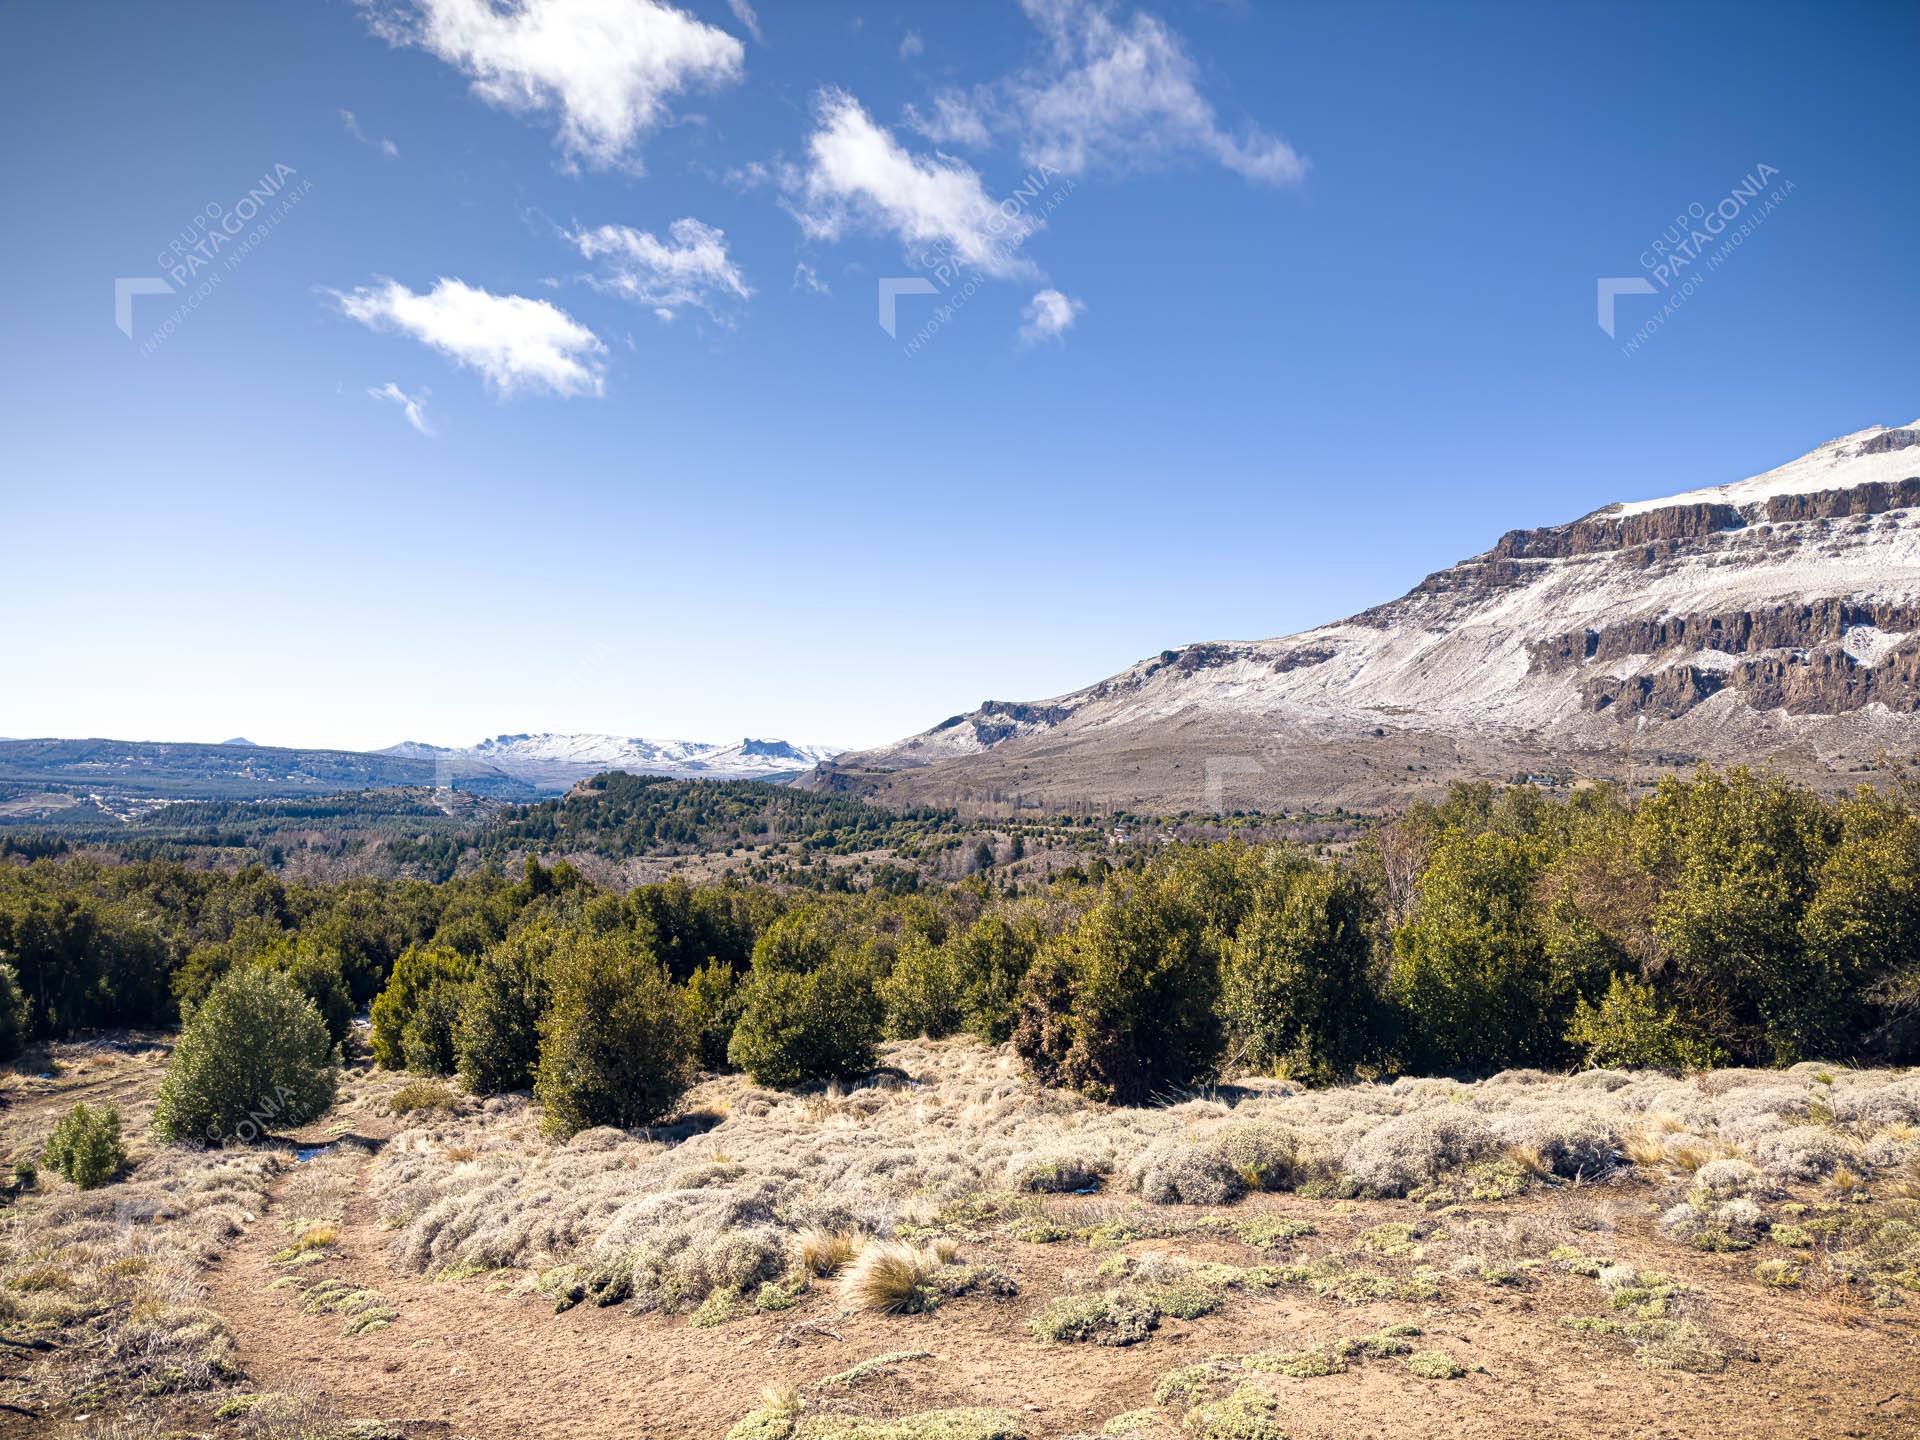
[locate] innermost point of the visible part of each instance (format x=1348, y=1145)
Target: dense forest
x=1724, y=918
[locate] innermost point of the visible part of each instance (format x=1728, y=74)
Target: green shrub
x=26, y=1174
x=1630, y=1027
x=617, y=1044
x=413, y=1017
x=13, y=1015
x=497, y=1032
x=715, y=992
x=1294, y=987
x=85, y=1145
x=993, y=955
x=924, y=992
x=254, y=1054
x=797, y=1028
x=1122, y=1006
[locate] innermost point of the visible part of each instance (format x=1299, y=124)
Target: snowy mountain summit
x=1774, y=619
x=555, y=761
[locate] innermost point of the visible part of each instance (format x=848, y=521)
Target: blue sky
x=1302, y=308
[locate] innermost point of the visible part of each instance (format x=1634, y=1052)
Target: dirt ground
x=480, y=1357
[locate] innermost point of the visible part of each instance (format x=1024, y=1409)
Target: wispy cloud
x=414, y=406
x=1112, y=93
x=911, y=45
x=690, y=268
x=749, y=22
x=607, y=68
x=1048, y=316
x=514, y=343
x=805, y=277
x=858, y=174
x=383, y=145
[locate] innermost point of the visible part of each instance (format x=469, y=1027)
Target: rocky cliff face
x=1773, y=617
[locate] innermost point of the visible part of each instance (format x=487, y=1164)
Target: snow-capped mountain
x=1776, y=617
x=554, y=761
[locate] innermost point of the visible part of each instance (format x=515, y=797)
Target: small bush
x=1219, y=1166
x=1247, y=1414
x=13, y=1015
x=1434, y=1365
x=925, y=992
x=496, y=1037
x=1630, y=1028
x=1123, y=1316
x=423, y=1095
x=414, y=1016
x=1058, y=1169
x=1121, y=1007
x=1408, y=1151
x=254, y=1054
x=85, y=1146
x=617, y=1046
x=715, y=992
x=801, y=1027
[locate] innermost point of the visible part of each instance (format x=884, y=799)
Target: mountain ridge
x=1772, y=617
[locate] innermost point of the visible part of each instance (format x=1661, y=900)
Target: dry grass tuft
x=823, y=1253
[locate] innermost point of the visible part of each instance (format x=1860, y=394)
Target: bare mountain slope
x=1774, y=618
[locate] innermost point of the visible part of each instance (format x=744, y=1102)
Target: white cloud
x=956, y=119
x=1111, y=94
x=607, y=67
x=691, y=267
x=858, y=174
x=805, y=277
x=1048, y=316
x=515, y=343
x=383, y=145
x=749, y=22
x=415, y=406
x=911, y=45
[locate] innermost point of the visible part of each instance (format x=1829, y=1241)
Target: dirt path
x=458, y=1359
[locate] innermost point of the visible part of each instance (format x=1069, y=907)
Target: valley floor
x=1749, y=1267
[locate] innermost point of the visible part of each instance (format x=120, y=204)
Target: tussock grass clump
x=823, y=1253
x=891, y=1277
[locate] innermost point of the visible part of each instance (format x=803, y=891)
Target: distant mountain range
x=554, y=762
x=129, y=775
x=1775, y=619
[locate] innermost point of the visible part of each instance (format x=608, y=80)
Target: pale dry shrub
x=1217, y=1165
x=1413, y=1150
x=1805, y=1152
x=1729, y=1178
x=1058, y=1167
x=1567, y=1143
